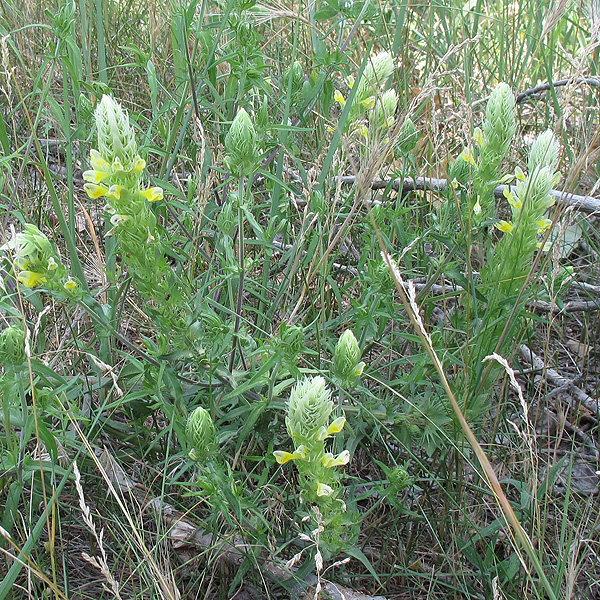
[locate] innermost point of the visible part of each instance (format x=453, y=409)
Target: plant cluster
x=245, y=355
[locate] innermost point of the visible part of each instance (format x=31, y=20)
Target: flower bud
x=309, y=408
x=407, y=139
x=501, y=111
x=12, y=346
x=346, y=358
x=35, y=258
x=398, y=479
x=385, y=109
x=378, y=70
x=544, y=151
x=241, y=147
x=375, y=74
x=201, y=435
x=461, y=168
x=226, y=218
x=116, y=138
x=291, y=340
x=296, y=73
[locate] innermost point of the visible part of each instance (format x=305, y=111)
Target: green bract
x=529, y=202
x=12, y=346
x=494, y=141
x=241, y=146
x=116, y=138
x=309, y=408
x=116, y=175
x=385, y=109
x=375, y=75
x=37, y=262
x=201, y=435
x=407, y=139
x=346, y=358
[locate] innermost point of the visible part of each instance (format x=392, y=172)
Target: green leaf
x=357, y=553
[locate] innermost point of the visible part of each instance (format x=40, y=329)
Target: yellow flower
x=282, y=457
x=467, y=156
x=117, y=165
x=324, y=490
x=70, y=284
x=369, y=102
x=139, y=164
x=519, y=174
x=30, y=278
x=329, y=460
x=337, y=96
x=98, y=162
x=117, y=220
x=95, y=191
x=512, y=198
x=544, y=225
x=505, y=226
x=477, y=208
x=363, y=130
x=478, y=135
x=115, y=191
x=152, y=194
x=336, y=426
x=95, y=176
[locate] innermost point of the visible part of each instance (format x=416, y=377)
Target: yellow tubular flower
x=336, y=426
x=324, y=490
x=362, y=130
x=505, y=226
x=117, y=164
x=95, y=176
x=544, y=225
x=152, y=194
x=98, y=162
x=468, y=157
x=282, y=457
x=369, y=102
x=139, y=164
x=519, y=174
x=95, y=191
x=70, y=284
x=117, y=220
x=115, y=191
x=329, y=460
x=337, y=96
x=30, y=278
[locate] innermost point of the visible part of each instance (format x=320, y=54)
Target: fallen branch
x=587, y=287
x=587, y=204
x=578, y=395
x=231, y=551
x=544, y=87
x=569, y=307
x=183, y=532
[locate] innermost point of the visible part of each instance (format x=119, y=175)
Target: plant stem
x=240, y=292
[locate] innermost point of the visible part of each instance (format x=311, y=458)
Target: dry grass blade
x=99, y=562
